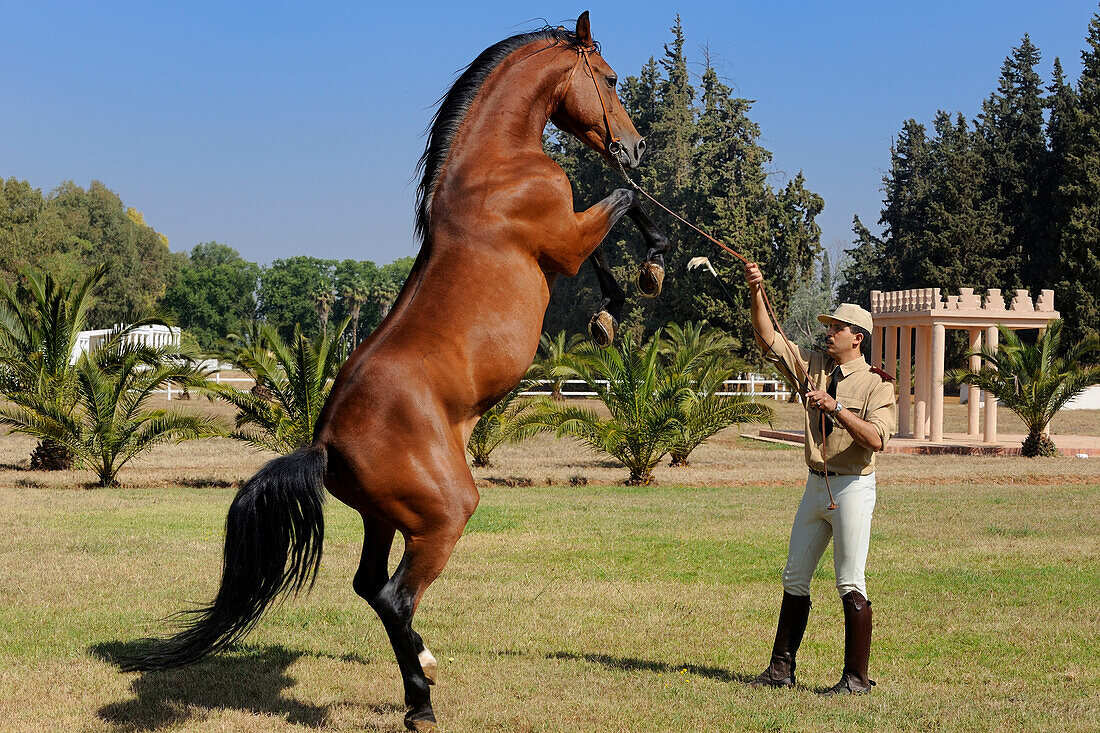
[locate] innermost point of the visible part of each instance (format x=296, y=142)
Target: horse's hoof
x=429, y=665
x=422, y=726
x=602, y=329
x=650, y=279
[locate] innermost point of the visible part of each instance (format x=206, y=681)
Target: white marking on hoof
x=429, y=665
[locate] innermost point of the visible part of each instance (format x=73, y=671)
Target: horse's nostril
x=641, y=146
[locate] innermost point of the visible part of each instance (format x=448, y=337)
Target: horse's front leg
x=652, y=274
x=650, y=278
x=596, y=222
x=607, y=316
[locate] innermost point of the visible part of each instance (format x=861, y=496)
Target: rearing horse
x=498, y=226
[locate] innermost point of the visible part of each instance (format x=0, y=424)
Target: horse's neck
x=510, y=112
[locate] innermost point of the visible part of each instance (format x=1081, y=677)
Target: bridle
x=614, y=148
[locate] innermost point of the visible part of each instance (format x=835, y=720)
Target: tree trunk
x=51, y=456
x=1037, y=445
x=355, y=324
x=645, y=479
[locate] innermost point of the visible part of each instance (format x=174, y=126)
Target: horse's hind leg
x=396, y=601
x=373, y=569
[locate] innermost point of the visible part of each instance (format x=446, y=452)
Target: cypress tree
x=863, y=268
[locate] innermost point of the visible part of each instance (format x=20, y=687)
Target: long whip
x=806, y=382
x=614, y=147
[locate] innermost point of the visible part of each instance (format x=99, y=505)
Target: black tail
x=276, y=517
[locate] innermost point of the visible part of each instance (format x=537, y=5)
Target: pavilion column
x=875, y=359
x=991, y=339
x=939, y=341
x=974, y=395
x=920, y=406
x=890, y=365
x=905, y=383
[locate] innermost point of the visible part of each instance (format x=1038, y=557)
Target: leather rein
x=614, y=148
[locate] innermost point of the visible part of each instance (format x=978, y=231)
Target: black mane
x=453, y=107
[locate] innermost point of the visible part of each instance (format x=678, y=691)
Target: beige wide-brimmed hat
x=851, y=314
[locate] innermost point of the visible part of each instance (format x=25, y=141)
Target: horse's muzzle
x=628, y=155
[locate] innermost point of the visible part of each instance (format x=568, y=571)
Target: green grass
x=565, y=608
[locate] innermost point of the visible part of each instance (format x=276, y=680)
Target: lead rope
x=771, y=314
x=613, y=148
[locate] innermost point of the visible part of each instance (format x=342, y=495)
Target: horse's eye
x=612, y=81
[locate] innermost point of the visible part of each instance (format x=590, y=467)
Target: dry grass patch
x=570, y=607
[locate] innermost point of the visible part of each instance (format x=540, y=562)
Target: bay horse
x=497, y=224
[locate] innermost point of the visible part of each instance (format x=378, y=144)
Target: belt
x=815, y=472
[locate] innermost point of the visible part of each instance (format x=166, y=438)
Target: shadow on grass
x=191, y=482
x=646, y=665
x=251, y=679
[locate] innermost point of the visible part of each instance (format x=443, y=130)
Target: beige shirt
x=866, y=394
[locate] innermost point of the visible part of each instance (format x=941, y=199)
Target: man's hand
x=862, y=432
x=753, y=277
x=761, y=323
x=819, y=399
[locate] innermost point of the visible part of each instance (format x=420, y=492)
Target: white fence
x=1087, y=400
x=218, y=369
x=153, y=336
x=749, y=384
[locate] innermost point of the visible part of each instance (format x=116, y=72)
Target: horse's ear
x=584, y=30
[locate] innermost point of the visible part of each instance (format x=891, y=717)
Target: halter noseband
x=582, y=54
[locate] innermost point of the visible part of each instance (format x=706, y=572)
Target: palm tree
x=296, y=375
x=323, y=298
x=383, y=294
x=690, y=344
x=548, y=364
x=104, y=421
x=38, y=343
x=701, y=360
x=644, y=409
x=705, y=411
x=356, y=292
x=1034, y=380
x=501, y=423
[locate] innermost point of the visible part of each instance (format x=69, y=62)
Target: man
x=860, y=416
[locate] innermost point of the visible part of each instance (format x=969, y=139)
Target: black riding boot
x=788, y=636
x=857, y=647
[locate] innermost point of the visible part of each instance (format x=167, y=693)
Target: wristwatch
x=838, y=407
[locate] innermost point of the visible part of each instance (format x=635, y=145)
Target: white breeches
x=849, y=525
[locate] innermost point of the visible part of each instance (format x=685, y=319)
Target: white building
x=154, y=336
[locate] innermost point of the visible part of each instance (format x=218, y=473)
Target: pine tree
x=905, y=206
x=961, y=222
x=1011, y=127
x=1079, y=194
x=1065, y=119
x=703, y=160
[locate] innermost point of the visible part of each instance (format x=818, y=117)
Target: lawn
x=574, y=606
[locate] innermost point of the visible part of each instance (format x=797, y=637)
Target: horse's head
x=590, y=108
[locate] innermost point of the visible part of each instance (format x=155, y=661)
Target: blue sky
x=291, y=128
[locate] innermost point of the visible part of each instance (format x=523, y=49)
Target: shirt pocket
x=855, y=403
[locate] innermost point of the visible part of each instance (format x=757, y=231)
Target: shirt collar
x=859, y=364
